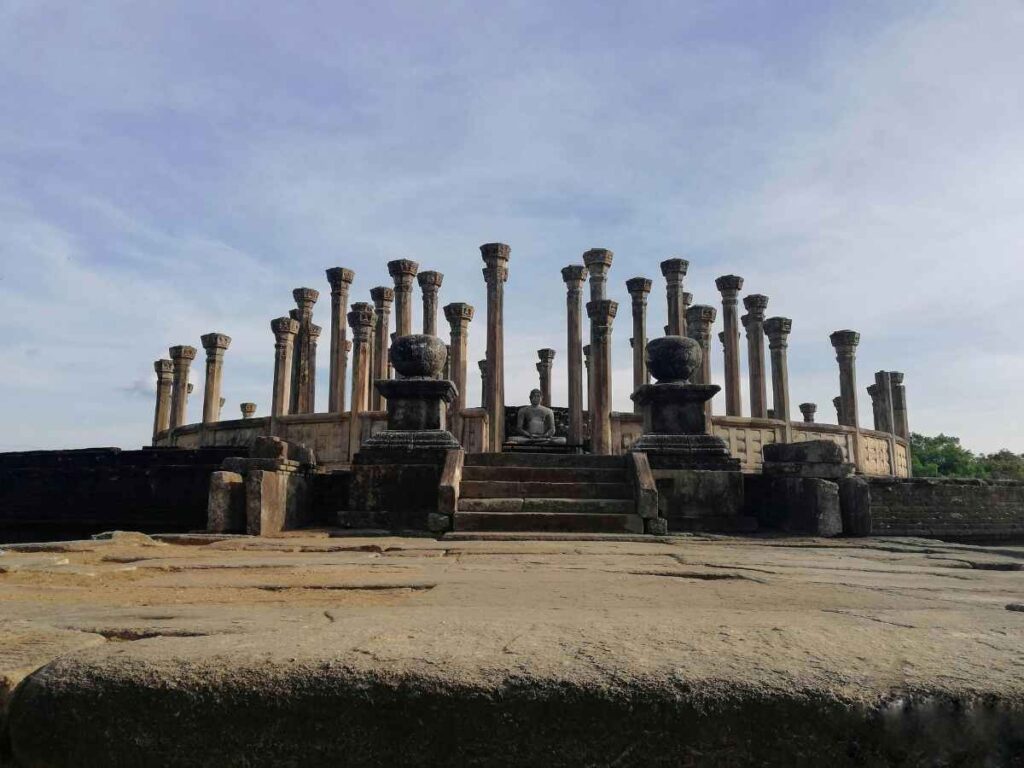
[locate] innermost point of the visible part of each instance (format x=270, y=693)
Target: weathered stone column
x=403, y=271
x=590, y=387
x=699, y=318
x=547, y=362
x=729, y=286
x=430, y=285
x=164, y=381
x=601, y=313
x=598, y=261
x=285, y=332
x=215, y=344
x=876, y=408
x=778, y=329
x=340, y=280
x=887, y=418
x=248, y=410
x=753, y=324
x=303, y=380
x=899, y=405
x=837, y=403
x=639, y=288
x=808, y=410
x=495, y=256
x=382, y=297
x=458, y=316
x=674, y=271
x=182, y=357
x=482, y=364
x=360, y=320
x=845, y=344
x=311, y=344
x=574, y=276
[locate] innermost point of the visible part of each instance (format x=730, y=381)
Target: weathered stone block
x=438, y=523
x=855, y=506
x=694, y=493
x=281, y=450
x=819, y=469
x=225, y=512
x=656, y=526
x=276, y=501
x=801, y=505
x=811, y=451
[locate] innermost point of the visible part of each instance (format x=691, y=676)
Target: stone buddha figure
x=535, y=424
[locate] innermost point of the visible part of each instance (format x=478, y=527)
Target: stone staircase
x=546, y=493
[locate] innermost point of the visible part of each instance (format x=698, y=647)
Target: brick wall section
x=962, y=510
x=51, y=495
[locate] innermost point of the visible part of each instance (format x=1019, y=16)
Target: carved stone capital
x=598, y=261
x=215, y=342
x=164, y=369
x=340, y=278
x=382, y=296
x=305, y=298
x=602, y=312
x=638, y=288
x=248, y=410
x=495, y=256
x=729, y=285
x=756, y=304
x=699, y=318
x=845, y=342
x=182, y=352
x=314, y=332
x=430, y=281
x=874, y=391
x=547, y=357
x=284, y=327
x=808, y=410
x=403, y=271
x=674, y=270
x=360, y=319
x=458, y=314
x=896, y=377
x=574, y=276
x=777, y=329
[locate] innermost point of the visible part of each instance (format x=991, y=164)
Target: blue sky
x=169, y=169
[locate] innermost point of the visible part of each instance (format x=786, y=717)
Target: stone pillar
x=753, y=324
x=340, y=280
x=360, y=320
x=547, y=362
x=482, y=364
x=311, y=344
x=182, y=357
x=403, y=271
x=699, y=318
x=495, y=256
x=574, y=276
x=729, y=286
x=248, y=410
x=778, y=329
x=285, y=332
x=639, y=288
x=430, y=285
x=899, y=405
x=808, y=410
x=601, y=314
x=845, y=344
x=164, y=381
x=458, y=316
x=877, y=420
x=837, y=403
x=382, y=297
x=674, y=271
x=886, y=415
x=216, y=345
x=590, y=387
x=303, y=378
x=598, y=261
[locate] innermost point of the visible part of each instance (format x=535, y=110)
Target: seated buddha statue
x=535, y=424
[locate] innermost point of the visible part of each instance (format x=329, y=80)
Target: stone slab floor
x=321, y=650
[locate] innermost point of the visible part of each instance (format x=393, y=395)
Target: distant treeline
x=943, y=456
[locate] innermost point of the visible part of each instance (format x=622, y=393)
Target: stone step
x=546, y=474
x=552, y=506
x=561, y=522
x=580, y=461
x=490, y=489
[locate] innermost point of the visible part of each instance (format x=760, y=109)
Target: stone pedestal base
x=416, y=412
x=394, y=489
x=702, y=500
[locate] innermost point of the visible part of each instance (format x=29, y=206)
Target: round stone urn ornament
x=673, y=359
x=419, y=356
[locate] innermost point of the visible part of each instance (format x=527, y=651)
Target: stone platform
x=683, y=650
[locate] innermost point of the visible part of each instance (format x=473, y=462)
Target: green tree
x=943, y=456
x=1003, y=465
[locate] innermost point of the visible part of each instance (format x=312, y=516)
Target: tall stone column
x=601, y=313
x=303, y=379
x=674, y=271
x=311, y=345
x=699, y=319
x=164, y=381
x=215, y=344
x=403, y=271
x=598, y=261
x=887, y=418
x=495, y=256
x=181, y=357
x=285, y=332
x=430, y=285
x=482, y=364
x=877, y=420
x=729, y=286
x=340, y=280
x=590, y=386
x=458, y=316
x=845, y=343
x=547, y=362
x=360, y=320
x=639, y=288
x=899, y=405
x=753, y=324
x=382, y=297
x=837, y=403
x=778, y=329
x=808, y=410
x=574, y=276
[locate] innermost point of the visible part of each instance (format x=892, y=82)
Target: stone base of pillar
x=416, y=413
x=675, y=427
